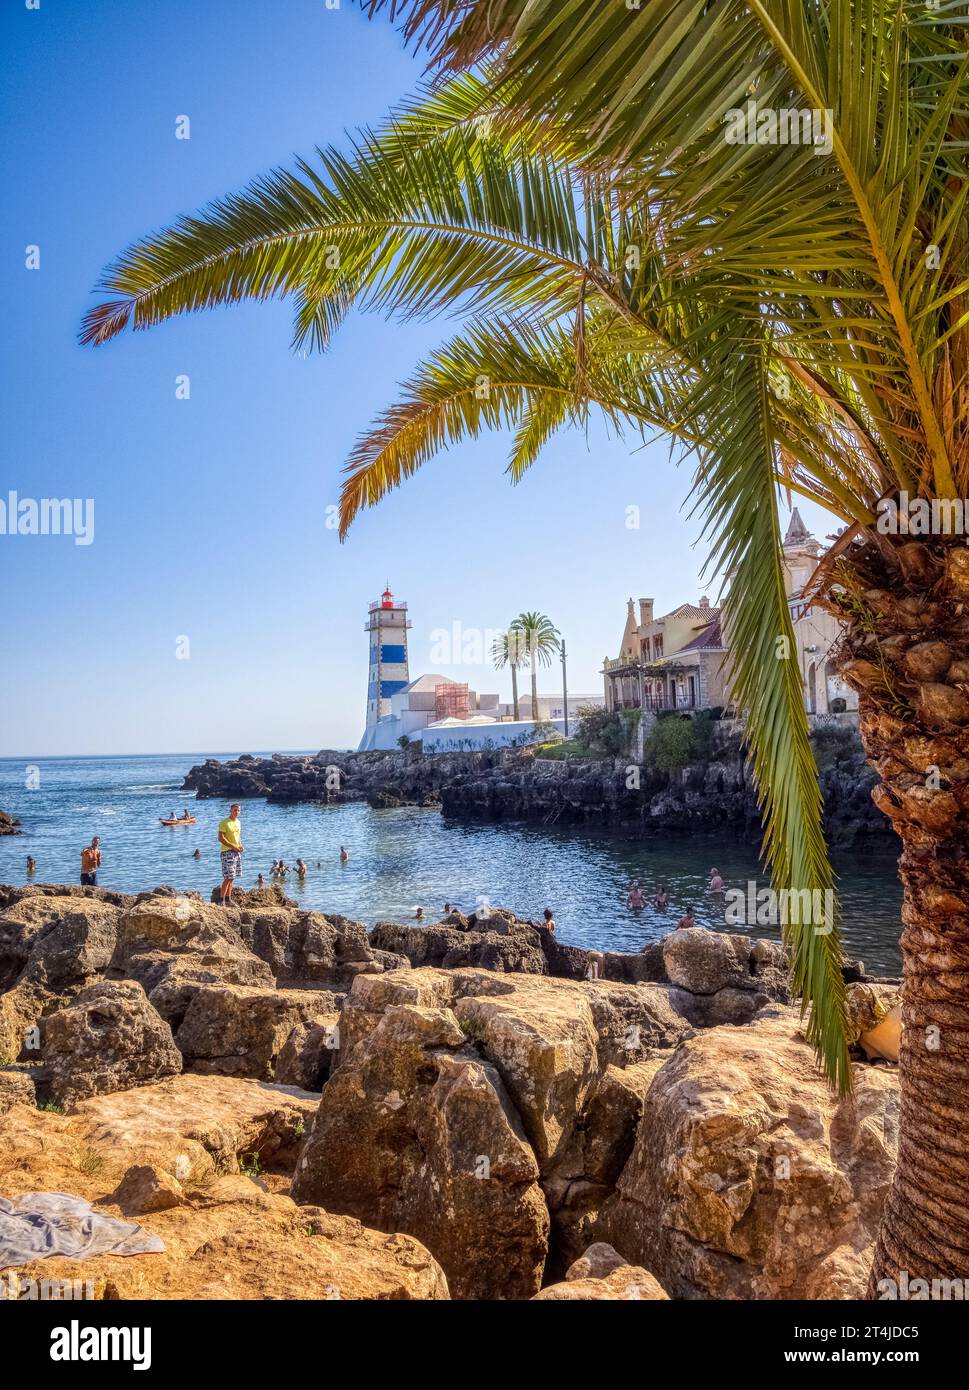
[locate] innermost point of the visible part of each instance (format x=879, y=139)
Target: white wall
x=477, y=737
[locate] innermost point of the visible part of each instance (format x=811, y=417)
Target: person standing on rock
x=595, y=964
x=91, y=862
x=231, y=847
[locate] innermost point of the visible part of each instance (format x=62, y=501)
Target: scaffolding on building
x=451, y=701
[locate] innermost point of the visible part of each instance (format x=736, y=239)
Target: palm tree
x=506, y=651
x=539, y=641
x=795, y=314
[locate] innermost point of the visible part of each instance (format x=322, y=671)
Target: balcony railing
x=653, y=704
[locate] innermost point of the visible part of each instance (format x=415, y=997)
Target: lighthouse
x=387, y=625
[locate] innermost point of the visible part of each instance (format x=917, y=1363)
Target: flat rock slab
x=190, y=1126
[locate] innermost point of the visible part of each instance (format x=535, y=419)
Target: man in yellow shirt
x=230, y=844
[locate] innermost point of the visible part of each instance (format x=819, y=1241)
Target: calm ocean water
x=399, y=858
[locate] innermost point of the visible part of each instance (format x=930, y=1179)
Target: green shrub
x=544, y=731
x=671, y=744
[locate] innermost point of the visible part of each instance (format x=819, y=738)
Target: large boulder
x=721, y=978
x=307, y=1054
x=308, y=947
x=602, y=1274
x=159, y=927
x=749, y=1178
x=16, y=1088
x=173, y=944
x=233, y=1030
x=52, y=944
x=22, y=1009
x=57, y=941
x=495, y=940
x=573, y=1057
x=416, y=1132
x=109, y=1039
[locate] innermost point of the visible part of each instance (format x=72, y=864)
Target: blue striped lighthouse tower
x=387, y=624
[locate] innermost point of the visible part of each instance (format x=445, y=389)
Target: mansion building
x=680, y=660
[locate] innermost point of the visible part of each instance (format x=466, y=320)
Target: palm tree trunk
x=906, y=651
x=514, y=692
x=534, y=689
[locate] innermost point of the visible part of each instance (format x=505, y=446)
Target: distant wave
x=155, y=787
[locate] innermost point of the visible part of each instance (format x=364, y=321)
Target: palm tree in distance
x=794, y=312
x=538, y=641
x=506, y=650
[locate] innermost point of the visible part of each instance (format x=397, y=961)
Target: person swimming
x=419, y=914
x=634, y=898
x=31, y=864
x=260, y=881
x=716, y=882
x=197, y=854
x=687, y=920
x=300, y=869
x=344, y=856
x=662, y=898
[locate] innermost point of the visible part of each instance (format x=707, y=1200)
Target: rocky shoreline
x=517, y=785
x=297, y=1107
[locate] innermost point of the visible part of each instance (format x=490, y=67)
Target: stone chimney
x=645, y=612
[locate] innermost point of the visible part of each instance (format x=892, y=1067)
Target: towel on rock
x=40, y=1224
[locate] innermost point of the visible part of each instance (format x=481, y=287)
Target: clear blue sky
x=210, y=514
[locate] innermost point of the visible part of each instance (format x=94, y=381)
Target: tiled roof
x=710, y=639
x=690, y=610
